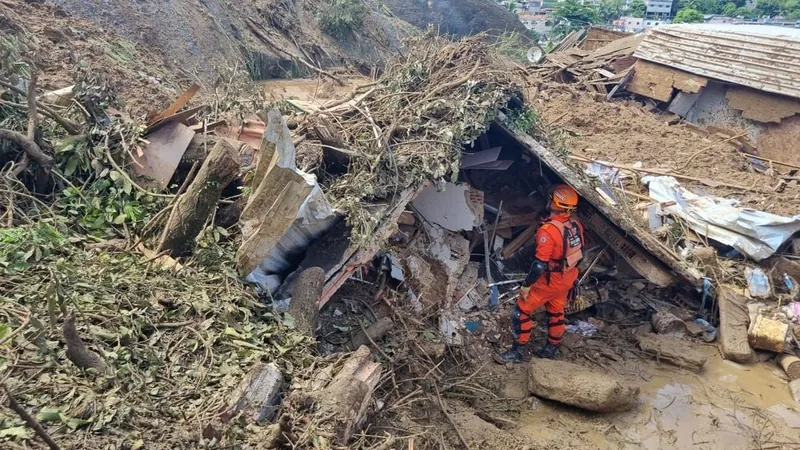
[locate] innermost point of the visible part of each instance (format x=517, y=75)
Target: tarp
x=756, y=234
x=285, y=213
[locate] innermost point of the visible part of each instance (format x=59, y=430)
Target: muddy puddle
x=727, y=406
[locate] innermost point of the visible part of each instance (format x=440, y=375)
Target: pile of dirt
x=626, y=133
x=202, y=37
x=69, y=50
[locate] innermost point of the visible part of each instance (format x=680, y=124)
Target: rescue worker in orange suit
x=552, y=277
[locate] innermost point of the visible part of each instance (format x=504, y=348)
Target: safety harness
x=571, y=243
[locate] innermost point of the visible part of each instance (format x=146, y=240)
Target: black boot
x=549, y=351
x=512, y=355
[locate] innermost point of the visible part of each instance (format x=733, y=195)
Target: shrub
x=341, y=17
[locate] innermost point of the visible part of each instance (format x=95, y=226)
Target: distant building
x=716, y=18
x=659, y=9
x=536, y=22
x=629, y=24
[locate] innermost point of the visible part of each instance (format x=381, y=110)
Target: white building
x=658, y=8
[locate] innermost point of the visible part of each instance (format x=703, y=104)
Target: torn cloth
x=756, y=234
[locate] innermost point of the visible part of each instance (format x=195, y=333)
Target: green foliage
x=609, y=10
x=514, y=45
x=340, y=18
x=769, y=8
x=523, y=120
x=729, y=9
x=688, y=15
x=637, y=8
x=745, y=12
x=578, y=14
x=704, y=6
x=22, y=246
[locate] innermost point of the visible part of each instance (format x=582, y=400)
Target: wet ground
x=727, y=406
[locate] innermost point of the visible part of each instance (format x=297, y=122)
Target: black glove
x=537, y=269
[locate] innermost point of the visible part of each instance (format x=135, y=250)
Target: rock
x=581, y=387
x=673, y=351
x=704, y=254
x=693, y=328
x=794, y=388
x=644, y=328
x=732, y=332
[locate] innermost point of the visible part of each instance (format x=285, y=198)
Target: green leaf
x=19, y=432
x=114, y=175
x=5, y=330
x=288, y=320
x=120, y=219
x=73, y=423
x=72, y=166
x=49, y=415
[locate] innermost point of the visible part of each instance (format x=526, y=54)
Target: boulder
x=579, y=386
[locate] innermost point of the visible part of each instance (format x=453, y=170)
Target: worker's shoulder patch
x=543, y=238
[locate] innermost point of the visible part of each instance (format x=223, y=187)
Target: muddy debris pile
x=337, y=270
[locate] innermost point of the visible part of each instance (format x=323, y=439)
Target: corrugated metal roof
x=758, y=56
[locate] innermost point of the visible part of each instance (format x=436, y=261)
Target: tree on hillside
x=609, y=10
x=744, y=12
x=769, y=8
x=688, y=15
x=637, y=8
x=704, y=6
x=729, y=9
x=576, y=13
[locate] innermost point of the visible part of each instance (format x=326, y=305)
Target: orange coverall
x=552, y=288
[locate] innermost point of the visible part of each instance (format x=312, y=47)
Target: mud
x=625, y=133
x=730, y=406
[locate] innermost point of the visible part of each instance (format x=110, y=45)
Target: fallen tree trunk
x=343, y=403
x=664, y=322
x=733, y=322
x=580, y=387
x=28, y=146
x=790, y=365
x=257, y=396
x=372, y=333
x=673, y=351
x=306, y=292
x=191, y=211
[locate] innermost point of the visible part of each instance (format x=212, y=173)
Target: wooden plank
x=510, y=221
x=644, y=263
x=178, y=117
x=518, y=242
x=162, y=155
x=182, y=100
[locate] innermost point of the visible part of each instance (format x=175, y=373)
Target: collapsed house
x=460, y=232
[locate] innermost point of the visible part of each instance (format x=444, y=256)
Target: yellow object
x=768, y=334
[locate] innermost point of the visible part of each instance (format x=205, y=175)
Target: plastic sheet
x=756, y=234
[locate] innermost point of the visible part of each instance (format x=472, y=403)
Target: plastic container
x=757, y=282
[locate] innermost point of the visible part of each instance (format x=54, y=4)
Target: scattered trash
x=709, y=332
x=757, y=234
x=757, y=282
x=474, y=326
x=585, y=329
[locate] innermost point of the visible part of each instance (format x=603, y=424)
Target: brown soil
x=625, y=133
x=68, y=47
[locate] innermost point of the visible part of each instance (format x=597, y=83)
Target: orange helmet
x=564, y=197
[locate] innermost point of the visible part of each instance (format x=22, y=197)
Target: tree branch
x=37, y=427
x=27, y=145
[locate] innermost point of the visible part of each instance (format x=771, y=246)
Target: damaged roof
x=762, y=57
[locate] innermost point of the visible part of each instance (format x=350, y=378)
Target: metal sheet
x=162, y=155
x=762, y=57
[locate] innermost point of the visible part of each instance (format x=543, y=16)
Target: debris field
x=332, y=261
